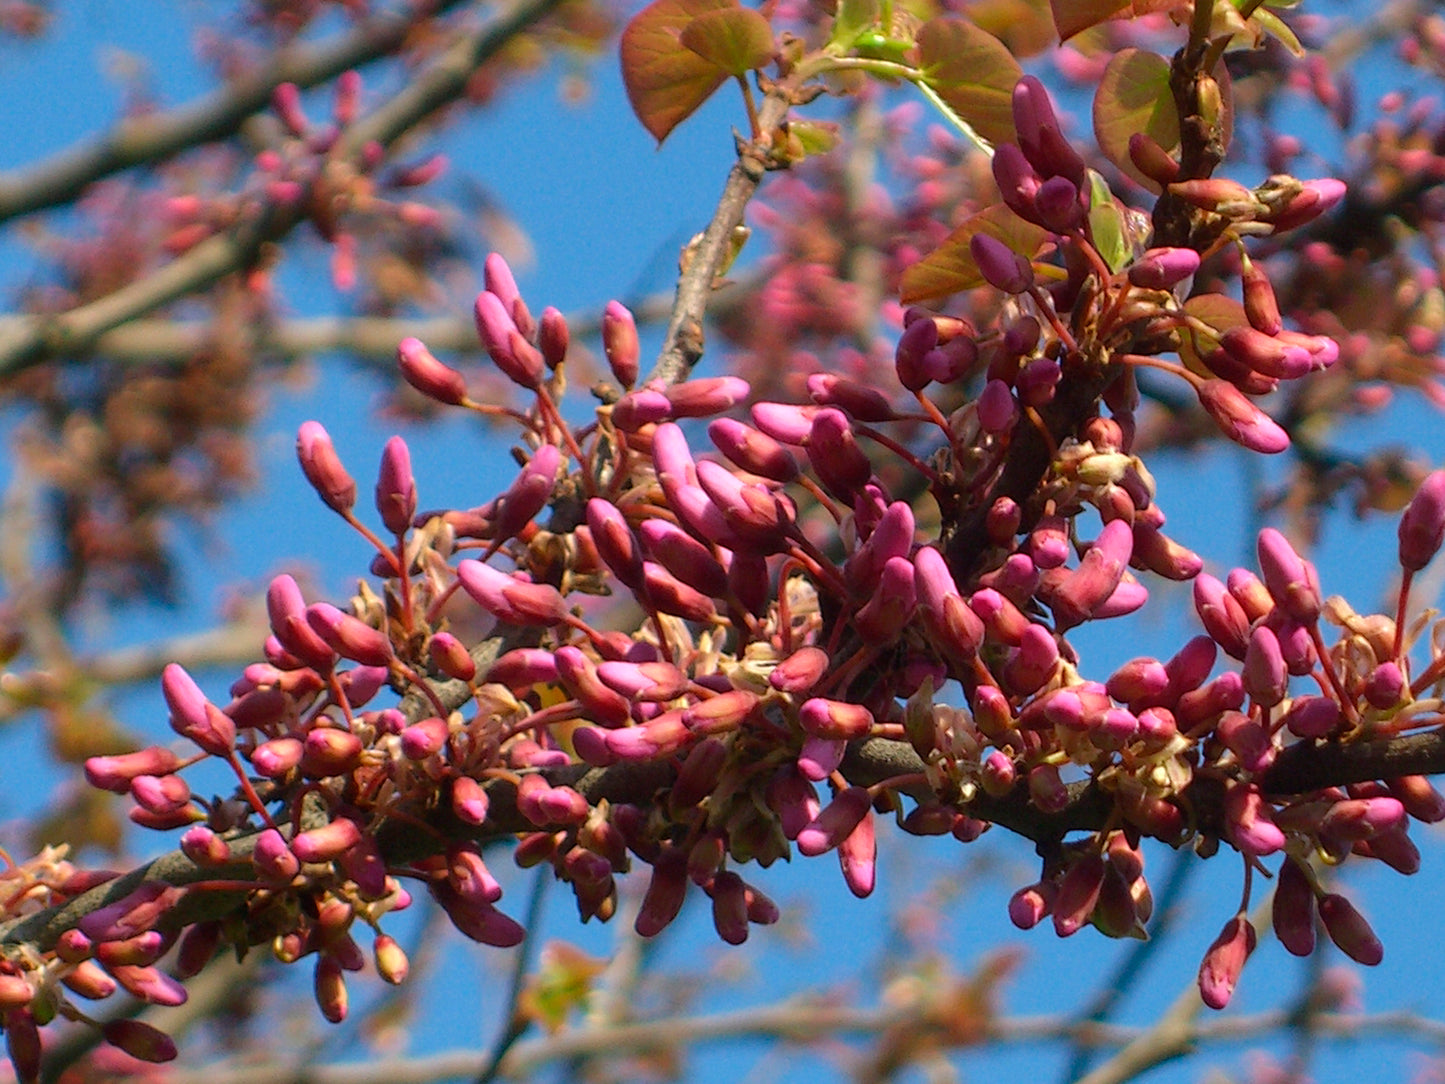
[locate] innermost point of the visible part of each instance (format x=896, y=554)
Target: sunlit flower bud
x=1224, y=619
x=1163, y=268
x=116, y=773
x=1349, y=930
x=753, y=450
x=1274, y=356
x=480, y=921
x=668, y=594
x=884, y=615
x=1292, y=581
x=509, y=351
x=396, y=487
x=684, y=556
x=424, y=739
x=620, y=344
x=1422, y=525
x=835, y=456
x=325, y=844
x=1246, y=739
x=1239, y=419
x=273, y=859
x=1419, y=797
x=323, y=469
x=1354, y=819
x=1260, y=306
x=1224, y=693
x=1152, y=160
x=1211, y=193
x=1081, y=593
x=1078, y=894
x=1265, y=676
x=327, y=751
x=1223, y=962
x=348, y=636
x=195, y=717
x=421, y=369
x=451, y=657
x=391, y=961
x=705, y=397
x=1002, y=267
x=860, y=401
x=658, y=737
x=1317, y=197
x=287, y=611
x=1249, y=591
x=820, y=757
x=1251, y=825
x=858, y=857
x=835, y=719
x=510, y=599
x=578, y=675
x=160, y=794
x=553, y=337
x=1032, y=904
x=330, y=988
x=794, y=799
x=835, y=822
x=1138, y=679
x=1039, y=134
x=545, y=805
x=498, y=280
x=523, y=667
x=277, y=757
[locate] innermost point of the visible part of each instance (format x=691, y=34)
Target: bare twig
x=35, y=339
x=141, y=140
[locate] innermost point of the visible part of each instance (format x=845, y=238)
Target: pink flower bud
x=287, y=611
x=820, y=757
x=1260, y=306
x=956, y=627
x=619, y=342
x=1031, y=905
x=480, y=921
x=286, y=101
x=1152, y=160
x=277, y=757
x=451, y=657
x=835, y=822
x=421, y=369
x=469, y=801
x=800, y=671
x=518, y=359
x=658, y=737
x=578, y=675
x=273, y=859
x=785, y=422
x=639, y=407
x=862, y=402
x=395, y=487
x=918, y=338
x=1265, y=676
x=1082, y=592
x=1002, y=267
x=753, y=450
x=1040, y=137
x=858, y=857
x=468, y=874
x=1138, y=679
x=1223, y=962
x=1419, y=797
x=1355, y=819
x=1224, y=619
x=1384, y=686
x=1239, y=419
x=835, y=719
x=1163, y=268
x=793, y=797
x=666, y=593
x=1422, y=526
x=835, y=456
x=203, y=847
x=348, y=636
x=615, y=542
x=1250, y=822
x=1273, y=356
x=1004, y=621
x=884, y=615
x=729, y=907
x=424, y=739
x=327, y=751
x=195, y=717
x=1046, y=789
x=160, y=794
x=553, y=337
x=1017, y=181
x=323, y=469
x=666, y=890
x=1317, y=197
x=684, y=556
x=706, y=396
x=509, y=599
x=545, y=805
x=1058, y=205
x=116, y=773
x=1349, y=930
x=1292, y=581
x=1293, y=910
x=140, y=1040
x=1078, y=894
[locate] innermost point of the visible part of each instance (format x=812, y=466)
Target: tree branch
x=141, y=140
x=35, y=339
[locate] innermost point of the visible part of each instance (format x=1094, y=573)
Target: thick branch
x=36, y=339
x=220, y=114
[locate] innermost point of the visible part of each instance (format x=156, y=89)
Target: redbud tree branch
x=142, y=140
x=35, y=339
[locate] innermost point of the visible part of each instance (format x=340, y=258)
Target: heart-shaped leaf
x=735, y=39
x=666, y=81
x=1073, y=16
x=1134, y=96
x=950, y=268
x=972, y=71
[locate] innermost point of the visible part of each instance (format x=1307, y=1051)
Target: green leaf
x=666, y=81
x=852, y=18
x=737, y=40
x=1134, y=96
x=972, y=71
x=1276, y=28
x=1106, y=225
x=949, y=269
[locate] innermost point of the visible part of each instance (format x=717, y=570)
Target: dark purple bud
x=1293, y=911
x=1017, y=181
x=862, y=402
x=835, y=456
x=917, y=340
x=1078, y=894
x=1058, y=205
x=1349, y=930
x=1002, y=267
x=553, y=337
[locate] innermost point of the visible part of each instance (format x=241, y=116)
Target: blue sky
x=605, y=212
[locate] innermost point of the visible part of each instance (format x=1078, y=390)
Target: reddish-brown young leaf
x=735, y=39
x=666, y=81
x=950, y=268
x=1074, y=16
x=972, y=71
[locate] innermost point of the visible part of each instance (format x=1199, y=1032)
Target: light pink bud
x=835, y=719
x=203, y=847
x=275, y=758
x=323, y=469
x=545, y=805
x=195, y=717
x=1223, y=962
x=1163, y=268
x=1096, y=578
x=619, y=342
x=1384, y=686
x=1160, y=554
x=1046, y=788
x=1031, y=905
x=523, y=667
x=956, y=627
x=424, y=739
x=884, y=615
x=327, y=751
x=658, y=737
x=149, y=984
x=792, y=796
x=469, y=800
x=578, y=675
x=1245, y=738
x=469, y=876
x=639, y=407
x=784, y=422
x=1138, y=679
x=160, y=794
x=753, y=450
x=706, y=396
x=1291, y=579
x=421, y=369
x=820, y=757
x=1354, y=819
x=800, y=671
x=396, y=487
x=451, y=657
x=510, y=599
x=274, y=860
x=509, y=351
x=1033, y=662
x=348, y=636
x=115, y=773
x=327, y=843
x=1422, y=525
x=1223, y=617
x=1239, y=419
x=1317, y=197
x=1349, y=930
x=1004, y=621
x=1265, y=676
x=858, y=856
x=1251, y=825
x=724, y=712
x=835, y=822
x=667, y=593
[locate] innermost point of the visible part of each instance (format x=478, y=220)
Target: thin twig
x=515, y=1024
